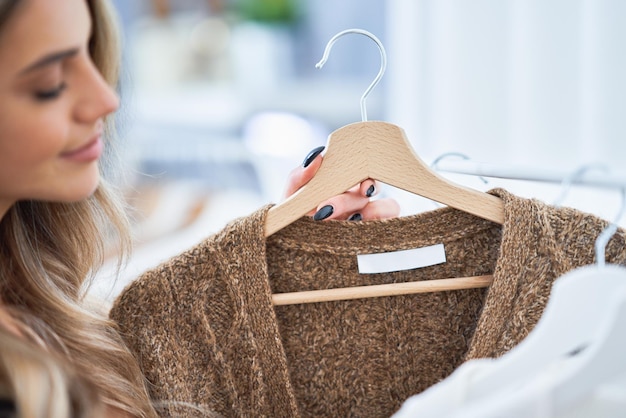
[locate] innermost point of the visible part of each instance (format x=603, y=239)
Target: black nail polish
x=311, y=156
x=323, y=213
x=370, y=191
x=356, y=217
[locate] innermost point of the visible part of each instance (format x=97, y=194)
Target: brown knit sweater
x=205, y=331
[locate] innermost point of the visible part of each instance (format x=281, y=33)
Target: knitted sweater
x=205, y=331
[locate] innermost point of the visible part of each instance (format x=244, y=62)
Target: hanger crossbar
x=392, y=289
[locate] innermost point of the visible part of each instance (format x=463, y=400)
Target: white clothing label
x=401, y=260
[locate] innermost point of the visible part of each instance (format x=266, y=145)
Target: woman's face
x=52, y=102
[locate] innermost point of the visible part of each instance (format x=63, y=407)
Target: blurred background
x=221, y=100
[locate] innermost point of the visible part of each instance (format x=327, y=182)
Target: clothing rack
x=595, y=178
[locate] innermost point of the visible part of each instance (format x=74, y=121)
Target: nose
x=98, y=98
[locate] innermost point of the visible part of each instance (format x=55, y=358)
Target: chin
x=82, y=189
x=89, y=191
x=66, y=186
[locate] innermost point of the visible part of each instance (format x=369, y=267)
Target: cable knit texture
x=206, y=333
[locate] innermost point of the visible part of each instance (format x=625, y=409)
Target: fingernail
x=356, y=217
x=370, y=191
x=309, y=158
x=323, y=213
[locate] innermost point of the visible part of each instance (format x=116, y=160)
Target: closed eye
x=51, y=94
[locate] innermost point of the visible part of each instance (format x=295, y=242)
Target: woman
x=58, y=61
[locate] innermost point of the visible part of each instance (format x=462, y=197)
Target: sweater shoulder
x=159, y=286
x=191, y=273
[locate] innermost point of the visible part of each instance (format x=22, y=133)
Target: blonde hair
x=43, y=385
x=48, y=251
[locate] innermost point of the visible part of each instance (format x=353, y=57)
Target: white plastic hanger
x=379, y=151
x=603, y=361
x=587, y=383
x=571, y=320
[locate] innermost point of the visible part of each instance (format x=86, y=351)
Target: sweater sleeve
x=189, y=324
x=155, y=315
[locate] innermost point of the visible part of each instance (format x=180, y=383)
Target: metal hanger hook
x=609, y=231
x=436, y=161
x=383, y=62
x=566, y=184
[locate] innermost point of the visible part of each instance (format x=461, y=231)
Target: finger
x=380, y=209
x=301, y=175
x=368, y=188
x=355, y=217
x=341, y=206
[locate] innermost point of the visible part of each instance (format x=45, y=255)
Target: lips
x=89, y=152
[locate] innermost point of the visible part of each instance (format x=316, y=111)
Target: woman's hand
x=354, y=204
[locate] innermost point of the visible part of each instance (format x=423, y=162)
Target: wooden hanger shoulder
x=379, y=151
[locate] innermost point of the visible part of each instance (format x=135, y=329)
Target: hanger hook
x=609, y=231
x=383, y=62
x=566, y=184
x=436, y=161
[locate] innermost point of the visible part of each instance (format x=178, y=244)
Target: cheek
x=30, y=137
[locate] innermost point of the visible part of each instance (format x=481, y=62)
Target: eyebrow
x=49, y=60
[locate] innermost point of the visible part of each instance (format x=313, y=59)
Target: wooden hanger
x=379, y=151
